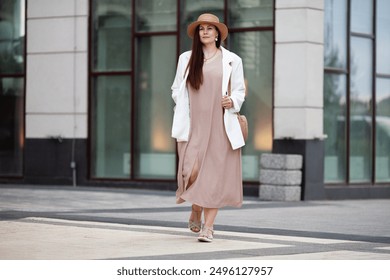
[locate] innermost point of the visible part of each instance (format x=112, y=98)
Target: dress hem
x=180, y=200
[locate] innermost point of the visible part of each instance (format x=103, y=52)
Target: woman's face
x=207, y=34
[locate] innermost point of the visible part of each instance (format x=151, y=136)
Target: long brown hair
x=195, y=64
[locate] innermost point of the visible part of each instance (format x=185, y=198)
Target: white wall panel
x=296, y=25
x=298, y=123
x=290, y=72
x=82, y=34
x=315, y=4
x=57, y=68
x=298, y=76
x=81, y=82
x=50, y=8
x=57, y=35
x=81, y=8
x=315, y=75
x=50, y=83
x=54, y=125
x=56, y=8
x=50, y=35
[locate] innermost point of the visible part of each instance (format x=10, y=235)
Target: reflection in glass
x=249, y=13
x=111, y=35
x=335, y=87
x=155, y=149
x=383, y=37
x=361, y=16
x=335, y=47
x=155, y=16
x=11, y=126
x=361, y=110
x=382, y=119
x=191, y=10
x=255, y=49
x=110, y=145
x=12, y=33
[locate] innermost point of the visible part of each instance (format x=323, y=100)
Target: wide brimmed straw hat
x=210, y=19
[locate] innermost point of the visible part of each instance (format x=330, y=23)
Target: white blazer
x=232, y=66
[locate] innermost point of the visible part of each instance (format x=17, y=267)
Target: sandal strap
x=195, y=225
x=207, y=232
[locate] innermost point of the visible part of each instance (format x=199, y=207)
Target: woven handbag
x=244, y=125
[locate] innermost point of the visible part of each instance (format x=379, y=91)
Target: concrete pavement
x=51, y=223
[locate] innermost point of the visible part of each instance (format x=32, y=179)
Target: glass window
x=191, y=10
x=360, y=75
x=155, y=16
x=12, y=33
x=111, y=35
x=249, y=13
x=383, y=37
x=12, y=79
x=382, y=119
x=154, y=147
x=361, y=111
x=111, y=94
x=362, y=16
x=137, y=144
x=111, y=127
x=11, y=126
x=335, y=47
x=255, y=49
x=335, y=87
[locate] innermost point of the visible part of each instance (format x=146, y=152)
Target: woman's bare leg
x=195, y=222
x=207, y=231
x=209, y=216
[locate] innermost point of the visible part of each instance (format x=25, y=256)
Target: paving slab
x=84, y=223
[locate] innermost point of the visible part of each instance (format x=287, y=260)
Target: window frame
x=134, y=36
x=330, y=70
x=23, y=76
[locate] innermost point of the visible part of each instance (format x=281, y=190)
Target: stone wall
x=280, y=177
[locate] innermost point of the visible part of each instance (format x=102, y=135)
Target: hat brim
x=221, y=27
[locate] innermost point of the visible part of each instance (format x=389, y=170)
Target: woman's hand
x=227, y=102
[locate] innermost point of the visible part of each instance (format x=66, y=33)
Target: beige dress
x=209, y=171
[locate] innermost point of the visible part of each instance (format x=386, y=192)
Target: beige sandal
x=196, y=225
x=206, y=235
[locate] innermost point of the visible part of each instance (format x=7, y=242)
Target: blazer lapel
x=226, y=69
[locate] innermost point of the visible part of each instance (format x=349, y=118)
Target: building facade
x=85, y=90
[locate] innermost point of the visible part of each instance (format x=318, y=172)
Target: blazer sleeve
x=237, y=84
x=178, y=79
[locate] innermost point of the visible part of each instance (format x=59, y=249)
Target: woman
x=205, y=124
